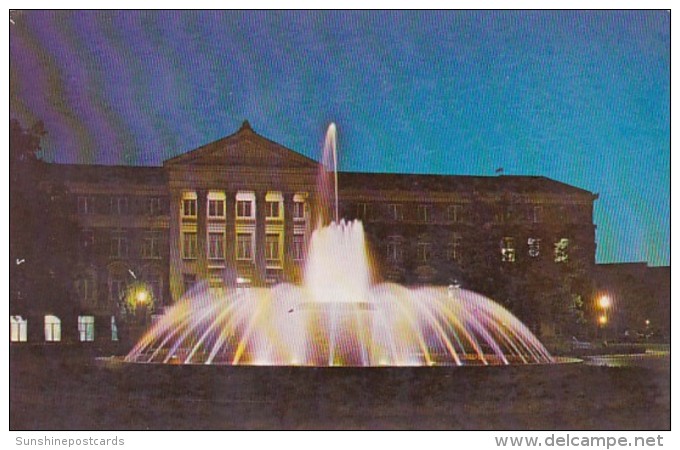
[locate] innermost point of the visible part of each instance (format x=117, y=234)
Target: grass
x=67, y=390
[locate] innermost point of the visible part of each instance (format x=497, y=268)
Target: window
x=52, y=328
x=153, y=206
x=119, y=244
x=562, y=250
x=454, y=213
x=273, y=210
x=298, y=247
x=396, y=211
x=272, y=251
x=116, y=290
x=216, y=208
x=424, y=251
x=18, y=329
x=87, y=239
x=299, y=210
x=85, y=289
x=216, y=245
x=534, y=247
x=424, y=213
x=86, y=328
x=508, y=249
x=395, y=249
x=114, y=329
x=119, y=206
x=537, y=214
x=244, y=209
x=363, y=211
x=215, y=279
x=189, y=245
x=151, y=245
x=453, y=248
x=85, y=205
x=244, y=246
x=189, y=207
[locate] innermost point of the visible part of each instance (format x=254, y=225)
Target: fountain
x=338, y=316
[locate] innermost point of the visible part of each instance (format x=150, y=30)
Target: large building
x=238, y=211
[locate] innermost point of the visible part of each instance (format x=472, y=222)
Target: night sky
x=580, y=97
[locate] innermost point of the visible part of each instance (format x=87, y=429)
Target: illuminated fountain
x=337, y=316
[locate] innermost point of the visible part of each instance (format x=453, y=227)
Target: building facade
x=240, y=212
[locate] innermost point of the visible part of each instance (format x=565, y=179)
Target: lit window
x=454, y=213
x=396, y=211
x=271, y=250
x=189, y=207
x=119, y=244
x=52, y=328
x=395, y=249
x=153, y=206
x=273, y=210
x=216, y=246
x=508, y=249
x=85, y=205
x=298, y=210
x=453, y=248
x=86, y=328
x=424, y=213
x=114, y=329
x=562, y=250
x=119, y=206
x=244, y=209
x=216, y=208
x=189, y=245
x=18, y=329
x=534, y=247
x=424, y=251
x=298, y=247
x=151, y=244
x=244, y=246
x=215, y=279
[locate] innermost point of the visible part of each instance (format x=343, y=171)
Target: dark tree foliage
x=42, y=231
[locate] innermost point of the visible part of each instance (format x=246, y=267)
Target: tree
x=41, y=230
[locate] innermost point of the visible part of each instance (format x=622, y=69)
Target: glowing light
x=141, y=297
x=603, y=320
x=605, y=302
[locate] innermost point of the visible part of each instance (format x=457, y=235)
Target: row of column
x=176, y=262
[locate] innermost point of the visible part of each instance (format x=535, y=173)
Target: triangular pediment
x=245, y=148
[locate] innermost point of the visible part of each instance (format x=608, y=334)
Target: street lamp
x=604, y=302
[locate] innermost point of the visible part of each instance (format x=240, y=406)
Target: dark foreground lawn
x=66, y=390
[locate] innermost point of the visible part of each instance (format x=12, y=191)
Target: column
x=175, y=243
x=230, y=236
x=202, y=234
x=312, y=219
x=260, y=239
x=288, y=229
